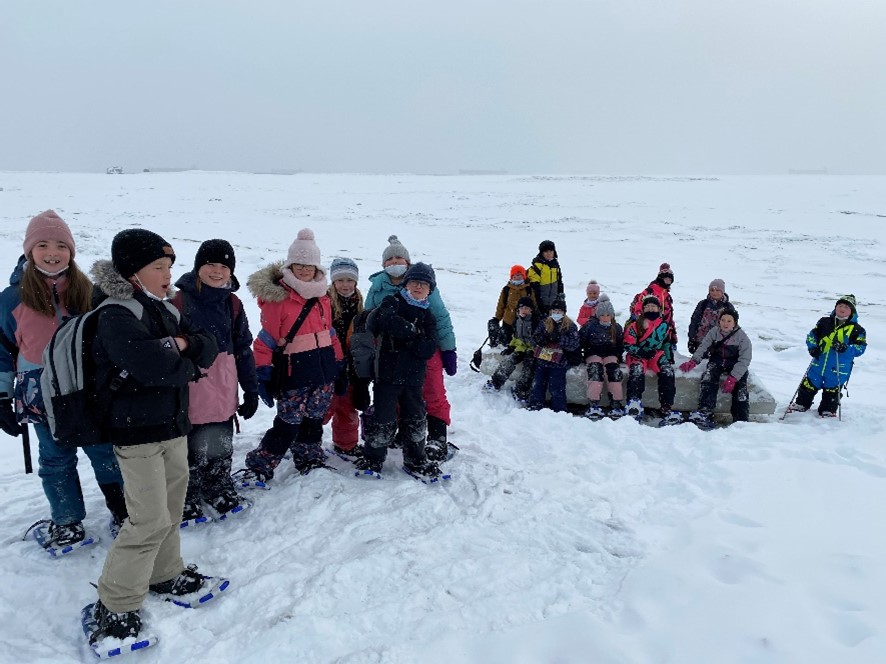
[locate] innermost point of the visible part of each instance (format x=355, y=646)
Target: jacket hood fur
x=265, y=283
x=111, y=283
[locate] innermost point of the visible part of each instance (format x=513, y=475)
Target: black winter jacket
x=407, y=340
x=151, y=404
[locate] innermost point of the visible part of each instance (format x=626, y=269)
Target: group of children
x=169, y=366
x=543, y=342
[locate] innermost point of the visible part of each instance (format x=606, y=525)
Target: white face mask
x=395, y=270
x=517, y=282
x=347, y=293
x=556, y=317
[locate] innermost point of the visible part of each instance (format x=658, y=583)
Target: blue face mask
x=556, y=317
x=396, y=270
x=517, y=282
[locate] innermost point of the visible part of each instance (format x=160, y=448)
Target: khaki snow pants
x=147, y=550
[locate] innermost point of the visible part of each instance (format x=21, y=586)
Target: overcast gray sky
x=554, y=86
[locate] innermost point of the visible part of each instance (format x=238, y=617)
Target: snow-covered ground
x=558, y=540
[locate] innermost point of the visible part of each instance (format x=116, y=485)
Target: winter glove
x=249, y=406
x=264, y=375
x=494, y=332
x=450, y=361
x=729, y=384
x=815, y=352
x=507, y=351
x=839, y=346
x=688, y=366
x=8, y=421
x=340, y=386
x=693, y=346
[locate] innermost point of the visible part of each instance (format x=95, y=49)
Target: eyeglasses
x=299, y=266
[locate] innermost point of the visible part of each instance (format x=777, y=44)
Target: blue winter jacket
x=382, y=288
x=832, y=369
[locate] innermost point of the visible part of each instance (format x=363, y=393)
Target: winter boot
x=797, y=408
x=117, y=625
x=192, y=510
x=116, y=503
x=352, y=453
x=490, y=386
x=225, y=502
x=425, y=469
x=65, y=535
x=635, y=408
x=188, y=581
x=702, y=419
x=670, y=417
x=436, y=448
x=364, y=463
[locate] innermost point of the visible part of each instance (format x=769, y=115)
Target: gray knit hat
x=605, y=308
x=394, y=250
x=343, y=268
x=719, y=284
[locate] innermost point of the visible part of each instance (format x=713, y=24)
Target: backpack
x=363, y=346
x=73, y=411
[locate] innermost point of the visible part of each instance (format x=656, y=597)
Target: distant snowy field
x=558, y=540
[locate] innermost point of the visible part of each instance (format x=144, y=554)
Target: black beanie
x=215, y=251
x=559, y=303
x=134, y=248
x=421, y=272
x=525, y=302
x=546, y=245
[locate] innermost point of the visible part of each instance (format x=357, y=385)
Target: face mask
x=556, y=317
x=605, y=324
x=517, y=282
x=395, y=270
x=55, y=274
x=651, y=315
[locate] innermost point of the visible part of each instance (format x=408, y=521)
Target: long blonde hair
x=335, y=301
x=37, y=295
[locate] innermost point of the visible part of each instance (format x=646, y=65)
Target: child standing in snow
x=295, y=291
x=728, y=350
x=660, y=287
x=515, y=290
x=833, y=343
x=707, y=313
x=206, y=296
x=407, y=338
x=648, y=346
x=545, y=276
x=602, y=345
x=520, y=352
x=554, y=338
x=45, y=288
x=395, y=262
x=589, y=306
x=347, y=303
x=147, y=419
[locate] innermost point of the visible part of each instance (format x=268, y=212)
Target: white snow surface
x=558, y=539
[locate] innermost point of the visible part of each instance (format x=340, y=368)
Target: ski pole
x=839, y=389
x=797, y=391
x=26, y=448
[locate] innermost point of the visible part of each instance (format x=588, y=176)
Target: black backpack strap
x=8, y=345
x=298, y=321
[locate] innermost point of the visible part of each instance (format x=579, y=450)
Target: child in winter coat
x=407, y=338
x=602, y=345
x=833, y=343
x=728, y=350
x=707, y=313
x=555, y=337
x=161, y=353
x=589, y=306
x=395, y=262
x=207, y=297
x=45, y=288
x=314, y=360
x=347, y=303
x=520, y=352
x=545, y=276
x=648, y=346
x=506, y=311
x=660, y=287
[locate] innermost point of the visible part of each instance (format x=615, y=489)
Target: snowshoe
x=617, y=411
x=427, y=472
x=307, y=465
x=247, y=478
x=490, y=387
x=60, y=540
x=670, y=418
x=635, y=409
x=228, y=504
x=594, y=412
x=702, y=420
x=113, y=634
x=192, y=515
x=190, y=589
x=826, y=414
x=440, y=451
x=347, y=455
x=368, y=468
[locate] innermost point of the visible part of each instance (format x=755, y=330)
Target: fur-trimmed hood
x=111, y=283
x=267, y=283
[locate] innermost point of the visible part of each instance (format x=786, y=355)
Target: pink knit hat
x=48, y=226
x=304, y=250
